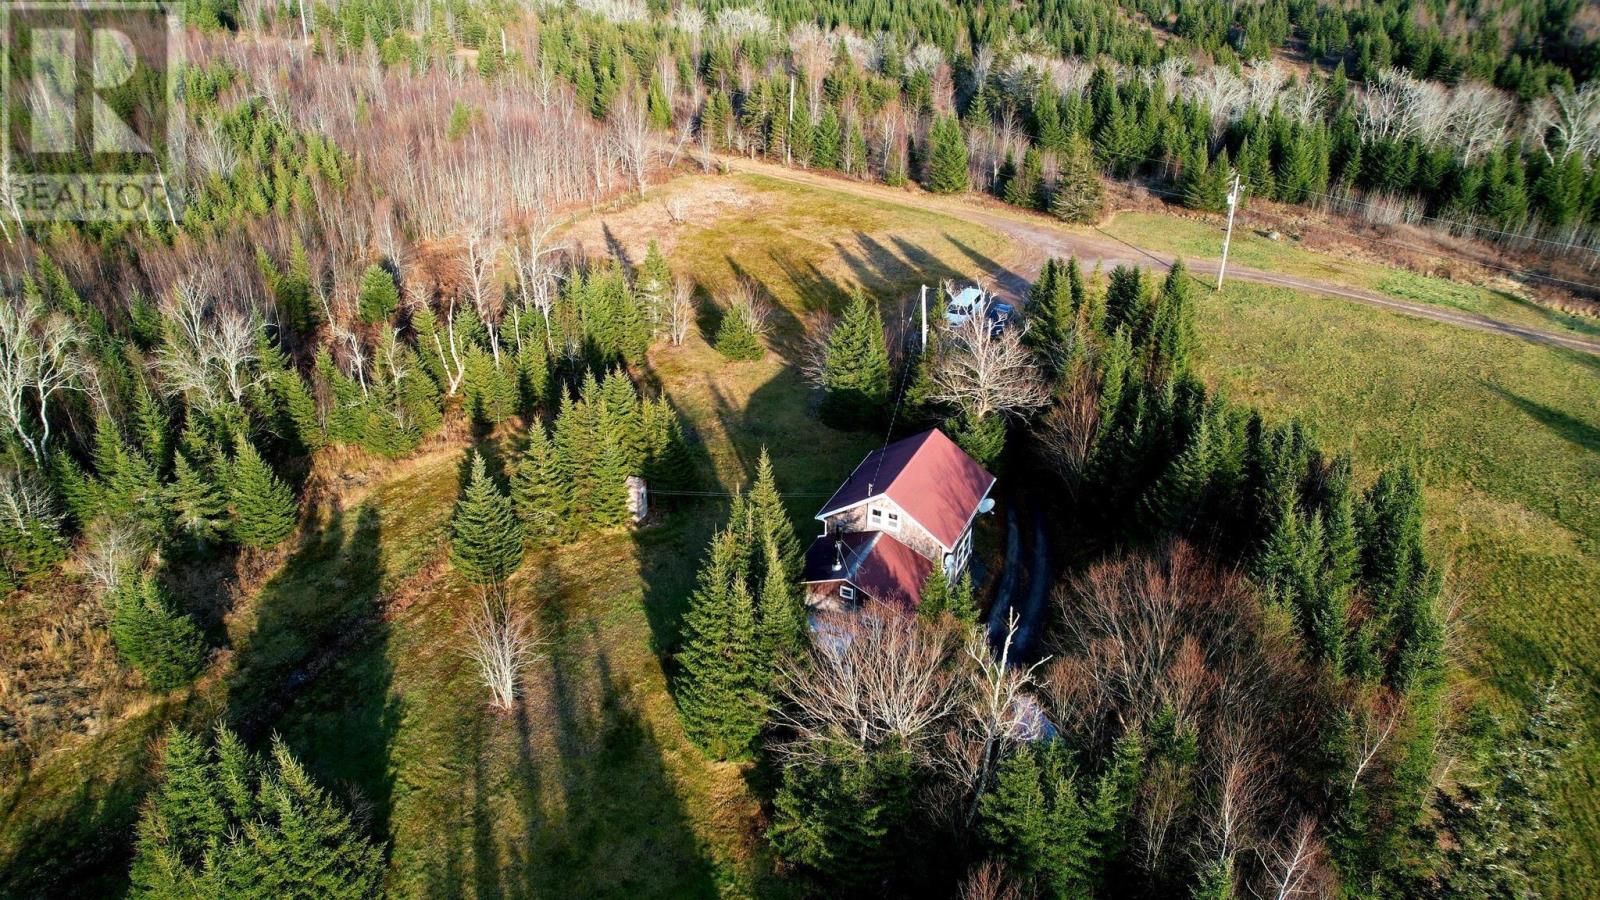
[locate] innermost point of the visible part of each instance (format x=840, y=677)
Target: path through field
x=1035, y=239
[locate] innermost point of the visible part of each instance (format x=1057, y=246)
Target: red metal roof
x=926, y=475
x=874, y=561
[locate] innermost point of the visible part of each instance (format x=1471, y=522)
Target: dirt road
x=1035, y=239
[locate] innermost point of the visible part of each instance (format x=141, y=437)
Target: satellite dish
x=987, y=505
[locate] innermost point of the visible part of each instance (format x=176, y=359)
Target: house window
x=846, y=592
x=885, y=519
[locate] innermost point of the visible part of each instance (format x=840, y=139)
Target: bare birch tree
x=994, y=716
x=1294, y=866
x=502, y=643
x=38, y=355
x=628, y=127
x=680, y=309
x=211, y=358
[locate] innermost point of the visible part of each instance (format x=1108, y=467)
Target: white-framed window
x=846, y=592
x=879, y=517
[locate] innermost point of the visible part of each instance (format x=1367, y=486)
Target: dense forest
x=1247, y=682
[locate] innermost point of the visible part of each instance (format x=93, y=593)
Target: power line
x=1526, y=273
x=905, y=366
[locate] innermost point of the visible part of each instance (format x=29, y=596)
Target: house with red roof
x=905, y=509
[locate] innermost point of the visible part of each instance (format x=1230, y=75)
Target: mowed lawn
x=1195, y=236
x=1508, y=436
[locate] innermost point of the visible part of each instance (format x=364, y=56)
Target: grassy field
x=1198, y=238
x=589, y=789
x=352, y=650
x=1508, y=434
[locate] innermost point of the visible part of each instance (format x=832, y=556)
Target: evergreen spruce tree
x=297, y=409
x=222, y=824
x=934, y=600
x=667, y=465
x=153, y=430
x=827, y=139
x=608, y=493
x=846, y=818
x=736, y=337
x=486, y=537
x=199, y=510
x=1171, y=340
x=721, y=674
x=769, y=517
x=1034, y=819
x=263, y=507
x=488, y=391
x=963, y=606
x=154, y=637
x=129, y=488
x=1027, y=183
x=1078, y=196
x=652, y=288
x=1125, y=302
x=379, y=296
x=983, y=439
x=780, y=615
x=855, y=370
x=536, y=494
x=946, y=168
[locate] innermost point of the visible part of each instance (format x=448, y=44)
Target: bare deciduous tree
x=113, y=551
x=1479, y=117
x=990, y=881
x=38, y=354
x=1294, y=866
x=1067, y=432
x=680, y=309
x=212, y=358
x=747, y=299
x=873, y=676
x=1376, y=716
x=985, y=373
x=502, y=642
x=993, y=717
x=628, y=127
x=1567, y=121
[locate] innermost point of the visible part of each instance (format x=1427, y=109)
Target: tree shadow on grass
x=80, y=846
x=315, y=665
x=573, y=799
x=1562, y=424
x=1586, y=326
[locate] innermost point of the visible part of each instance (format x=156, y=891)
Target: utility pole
x=924, y=318
x=1233, y=204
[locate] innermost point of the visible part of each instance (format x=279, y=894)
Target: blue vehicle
x=1000, y=315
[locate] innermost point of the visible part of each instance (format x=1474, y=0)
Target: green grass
x=1197, y=238
x=1508, y=435
x=352, y=649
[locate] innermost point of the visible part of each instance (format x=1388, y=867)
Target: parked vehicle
x=1000, y=316
x=963, y=306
